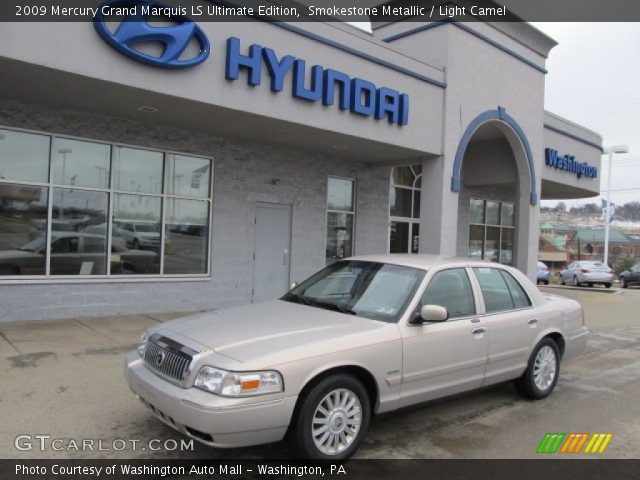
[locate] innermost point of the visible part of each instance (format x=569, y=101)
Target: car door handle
x=477, y=330
x=533, y=321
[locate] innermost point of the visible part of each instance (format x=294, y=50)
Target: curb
x=551, y=288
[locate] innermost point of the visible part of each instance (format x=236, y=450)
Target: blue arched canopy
x=499, y=114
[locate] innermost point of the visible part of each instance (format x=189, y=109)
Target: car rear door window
x=518, y=295
x=451, y=289
x=495, y=291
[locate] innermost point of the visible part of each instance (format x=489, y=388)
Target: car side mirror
x=293, y=285
x=431, y=313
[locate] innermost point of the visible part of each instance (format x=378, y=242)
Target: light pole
x=610, y=150
x=64, y=152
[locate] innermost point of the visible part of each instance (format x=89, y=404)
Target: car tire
x=546, y=282
x=136, y=244
x=543, y=370
x=607, y=285
x=562, y=280
x=575, y=281
x=623, y=284
x=344, y=420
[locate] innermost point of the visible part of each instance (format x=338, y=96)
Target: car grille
x=167, y=358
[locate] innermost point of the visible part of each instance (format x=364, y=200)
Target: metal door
x=271, y=252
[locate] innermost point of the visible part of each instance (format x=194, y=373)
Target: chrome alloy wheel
x=336, y=421
x=545, y=368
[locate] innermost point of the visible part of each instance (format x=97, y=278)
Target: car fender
x=325, y=367
x=544, y=333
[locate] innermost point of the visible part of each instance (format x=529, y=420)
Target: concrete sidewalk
x=72, y=335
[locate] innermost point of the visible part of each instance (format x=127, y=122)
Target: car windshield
x=377, y=291
x=33, y=246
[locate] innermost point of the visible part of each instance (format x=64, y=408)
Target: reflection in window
x=138, y=170
x=340, y=219
x=23, y=229
x=24, y=156
x=339, y=236
x=135, y=239
x=492, y=232
x=452, y=290
x=188, y=176
x=186, y=236
x=82, y=164
x=404, y=209
x=340, y=195
x=137, y=191
x=74, y=250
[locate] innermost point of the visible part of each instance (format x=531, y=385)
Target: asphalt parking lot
x=64, y=379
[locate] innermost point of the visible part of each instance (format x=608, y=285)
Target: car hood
x=247, y=332
x=15, y=254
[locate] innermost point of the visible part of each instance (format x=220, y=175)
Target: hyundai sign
x=570, y=164
x=329, y=86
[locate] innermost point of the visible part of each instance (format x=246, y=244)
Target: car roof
x=423, y=261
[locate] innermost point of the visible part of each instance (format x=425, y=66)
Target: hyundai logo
x=135, y=30
x=160, y=358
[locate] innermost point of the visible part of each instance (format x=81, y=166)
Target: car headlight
x=238, y=384
x=142, y=343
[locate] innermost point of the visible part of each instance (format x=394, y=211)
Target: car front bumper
x=210, y=419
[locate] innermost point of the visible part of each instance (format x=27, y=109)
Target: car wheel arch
x=358, y=371
x=556, y=336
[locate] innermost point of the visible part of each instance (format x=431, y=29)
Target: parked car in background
x=363, y=336
x=140, y=234
x=631, y=277
x=75, y=254
x=39, y=226
x=544, y=274
x=117, y=240
x=587, y=272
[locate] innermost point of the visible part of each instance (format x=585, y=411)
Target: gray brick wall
x=243, y=174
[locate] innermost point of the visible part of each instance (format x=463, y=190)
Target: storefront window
x=492, y=232
x=404, y=209
x=138, y=170
x=24, y=156
x=23, y=228
x=107, y=210
x=340, y=219
x=83, y=164
x=74, y=251
x=135, y=240
x=186, y=236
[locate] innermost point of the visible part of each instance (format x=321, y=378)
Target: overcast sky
x=594, y=80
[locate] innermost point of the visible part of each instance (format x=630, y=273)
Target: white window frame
x=499, y=226
x=417, y=186
x=108, y=277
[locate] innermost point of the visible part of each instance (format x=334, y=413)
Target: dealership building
x=218, y=170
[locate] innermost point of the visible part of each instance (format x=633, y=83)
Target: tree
x=560, y=207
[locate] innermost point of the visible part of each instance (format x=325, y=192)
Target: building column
x=438, y=209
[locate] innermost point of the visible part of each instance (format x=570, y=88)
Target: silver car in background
x=363, y=336
x=587, y=272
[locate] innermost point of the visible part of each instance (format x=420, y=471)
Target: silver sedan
x=586, y=272
x=363, y=336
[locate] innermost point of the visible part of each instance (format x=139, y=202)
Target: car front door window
x=451, y=289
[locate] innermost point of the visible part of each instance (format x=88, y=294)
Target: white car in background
x=587, y=272
x=139, y=234
x=365, y=335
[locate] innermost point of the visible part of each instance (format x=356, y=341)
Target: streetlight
x=610, y=150
x=64, y=152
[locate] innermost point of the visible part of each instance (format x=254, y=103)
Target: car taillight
x=584, y=270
